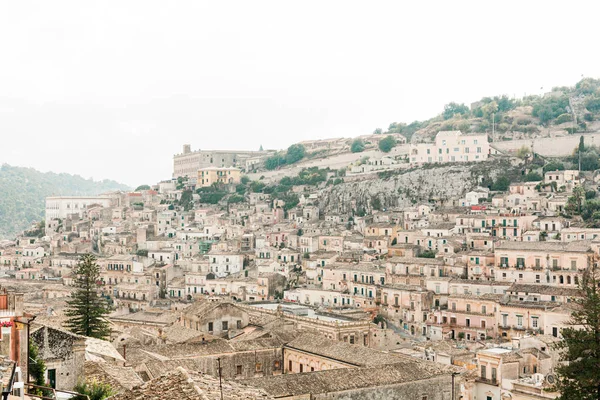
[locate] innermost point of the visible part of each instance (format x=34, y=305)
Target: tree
x=273, y=162
x=142, y=187
x=37, y=369
x=358, y=146
x=452, y=109
x=554, y=166
x=86, y=310
x=578, y=375
x=260, y=148
x=387, y=144
x=295, y=153
x=575, y=202
x=94, y=390
x=589, y=161
x=501, y=184
x=581, y=144
x=377, y=131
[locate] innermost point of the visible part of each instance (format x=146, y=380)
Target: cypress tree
x=578, y=375
x=87, y=310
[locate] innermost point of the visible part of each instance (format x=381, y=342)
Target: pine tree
x=579, y=371
x=86, y=309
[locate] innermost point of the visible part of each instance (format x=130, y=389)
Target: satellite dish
x=550, y=379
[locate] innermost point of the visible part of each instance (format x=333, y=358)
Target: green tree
x=581, y=144
x=589, y=161
x=387, y=144
x=37, y=369
x=501, y=184
x=533, y=177
x=578, y=375
x=377, y=131
x=260, y=148
x=142, y=187
x=554, y=166
x=575, y=202
x=86, y=310
x=95, y=390
x=244, y=180
x=452, y=109
x=273, y=162
x=358, y=146
x=427, y=254
x=295, y=153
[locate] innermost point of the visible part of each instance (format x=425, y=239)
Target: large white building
x=61, y=207
x=451, y=146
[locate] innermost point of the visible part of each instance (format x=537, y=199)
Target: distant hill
x=23, y=190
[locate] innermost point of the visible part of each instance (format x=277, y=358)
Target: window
x=238, y=369
x=534, y=322
x=493, y=374
x=210, y=326
x=239, y=324
x=453, y=306
x=258, y=367
x=468, y=307
x=573, y=264
x=290, y=365
x=483, y=372
x=483, y=309
x=276, y=365
x=225, y=325
x=519, y=320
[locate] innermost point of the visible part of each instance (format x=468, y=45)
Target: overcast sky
x=113, y=89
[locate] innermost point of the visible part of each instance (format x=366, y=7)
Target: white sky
x=113, y=89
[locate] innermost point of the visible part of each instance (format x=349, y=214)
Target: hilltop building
x=189, y=162
x=451, y=146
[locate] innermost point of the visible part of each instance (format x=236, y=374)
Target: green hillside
x=569, y=109
x=23, y=190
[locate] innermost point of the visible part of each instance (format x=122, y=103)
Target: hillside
x=562, y=111
x=23, y=191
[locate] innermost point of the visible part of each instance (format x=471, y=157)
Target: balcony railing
x=488, y=381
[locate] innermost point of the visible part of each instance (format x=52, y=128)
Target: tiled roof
x=188, y=385
x=343, y=379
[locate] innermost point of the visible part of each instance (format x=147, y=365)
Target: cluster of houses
x=426, y=302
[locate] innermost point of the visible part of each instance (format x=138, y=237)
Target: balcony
x=519, y=328
x=487, y=381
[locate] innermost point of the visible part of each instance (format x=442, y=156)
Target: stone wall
x=551, y=147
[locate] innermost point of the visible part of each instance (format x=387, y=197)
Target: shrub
x=533, y=177
x=358, y=146
x=387, y=144
x=295, y=153
x=94, y=390
x=554, y=166
x=427, y=254
x=562, y=118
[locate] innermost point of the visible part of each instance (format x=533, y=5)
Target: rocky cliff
x=439, y=183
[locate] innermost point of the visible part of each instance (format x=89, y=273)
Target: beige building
x=451, y=146
x=210, y=175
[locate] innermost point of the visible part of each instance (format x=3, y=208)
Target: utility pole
x=220, y=381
